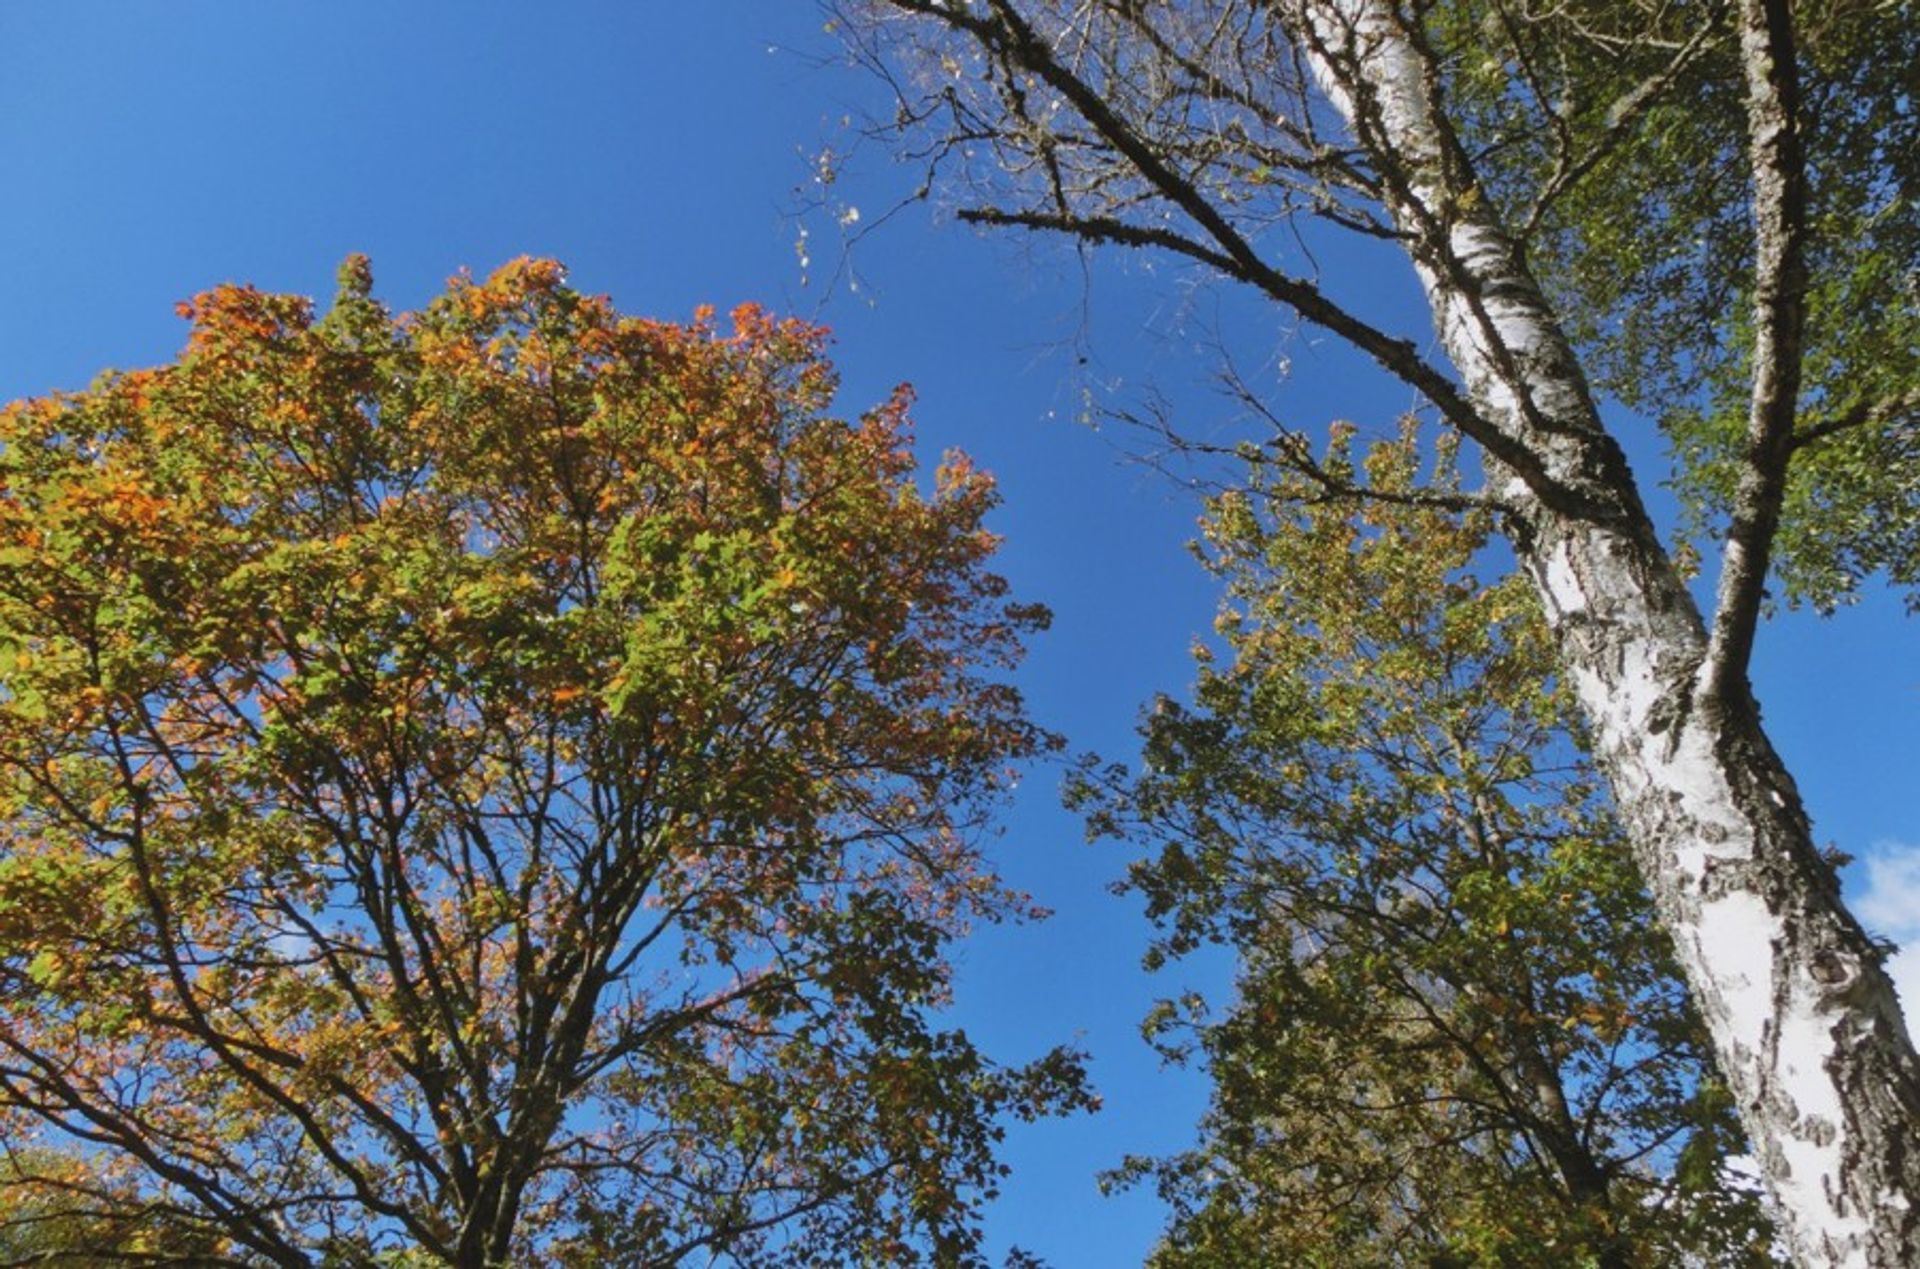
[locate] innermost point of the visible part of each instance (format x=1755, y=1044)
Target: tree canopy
x=493, y=786
x=1457, y=1036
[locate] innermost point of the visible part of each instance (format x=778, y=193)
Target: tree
x=59, y=1215
x=1456, y=1037
x=492, y=787
x=1566, y=181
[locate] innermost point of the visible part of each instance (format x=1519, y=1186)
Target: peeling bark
x=1805, y=1024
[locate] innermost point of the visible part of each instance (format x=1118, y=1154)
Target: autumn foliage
x=494, y=786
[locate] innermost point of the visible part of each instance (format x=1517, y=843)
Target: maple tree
x=493, y=786
x=1704, y=210
x=1457, y=1036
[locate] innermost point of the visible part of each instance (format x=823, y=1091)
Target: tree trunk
x=1804, y=1021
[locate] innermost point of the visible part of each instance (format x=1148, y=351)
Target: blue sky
x=150, y=151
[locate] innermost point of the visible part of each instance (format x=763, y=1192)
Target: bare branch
x=1008, y=35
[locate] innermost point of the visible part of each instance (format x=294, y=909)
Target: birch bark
x=1804, y=1021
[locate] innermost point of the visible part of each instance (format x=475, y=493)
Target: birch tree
x=1683, y=206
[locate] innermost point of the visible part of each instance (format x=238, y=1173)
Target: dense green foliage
x=1456, y=1036
x=493, y=786
x=1638, y=219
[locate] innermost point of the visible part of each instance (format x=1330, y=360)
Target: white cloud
x=1888, y=903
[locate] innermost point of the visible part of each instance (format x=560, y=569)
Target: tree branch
x=1010, y=36
x=1870, y=412
x=1779, y=311
x=1622, y=115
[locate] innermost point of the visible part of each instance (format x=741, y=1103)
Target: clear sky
x=148, y=151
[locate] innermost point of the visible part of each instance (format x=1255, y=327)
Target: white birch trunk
x=1804, y=1021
